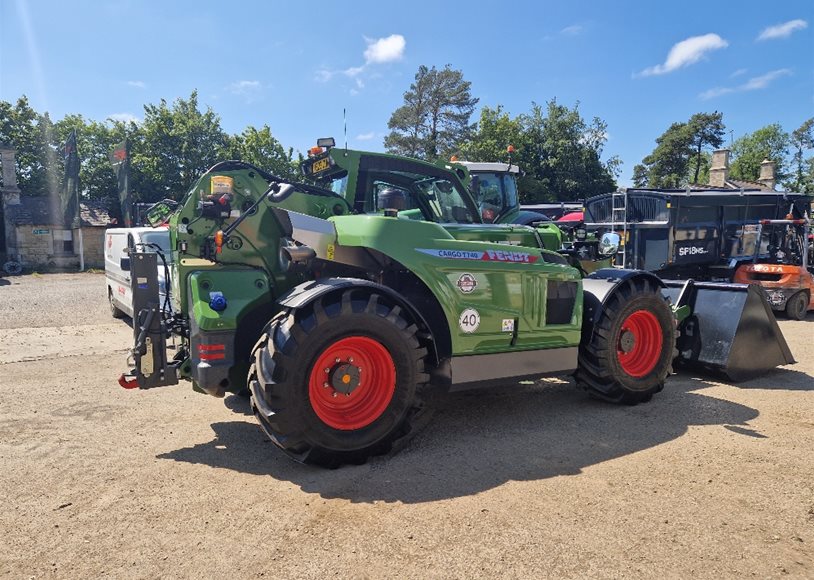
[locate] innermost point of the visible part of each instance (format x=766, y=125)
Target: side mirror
x=124, y=263
x=609, y=244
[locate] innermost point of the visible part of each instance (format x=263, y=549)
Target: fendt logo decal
x=487, y=256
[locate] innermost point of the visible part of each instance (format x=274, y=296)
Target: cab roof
x=492, y=167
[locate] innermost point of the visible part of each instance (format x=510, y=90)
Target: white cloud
x=366, y=136
x=137, y=84
x=753, y=84
x=124, y=117
x=249, y=90
x=378, y=51
x=783, y=30
x=381, y=50
x=685, y=53
x=244, y=87
x=739, y=72
x=353, y=71
x=764, y=81
x=572, y=30
x=716, y=92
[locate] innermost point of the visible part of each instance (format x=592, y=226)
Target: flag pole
x=79, y=226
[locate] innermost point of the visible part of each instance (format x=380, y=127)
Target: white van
x=117, y=240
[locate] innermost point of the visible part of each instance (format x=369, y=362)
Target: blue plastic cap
x=217, y=301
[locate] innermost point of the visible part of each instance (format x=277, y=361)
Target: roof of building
x=95, y=213
x=733, y=184
x=44, y=211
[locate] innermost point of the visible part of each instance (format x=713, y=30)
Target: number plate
x=321, y=165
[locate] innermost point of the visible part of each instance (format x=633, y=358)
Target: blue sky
x=638, y=65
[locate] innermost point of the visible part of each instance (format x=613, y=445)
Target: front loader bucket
x=731, y=331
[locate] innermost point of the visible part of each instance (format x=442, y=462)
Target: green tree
x=173, y=147
x=562, y=153
x=802, y=139
x=28, y=132
x=640, y=175
x=94, y=140
x=669, y=163
x=435, y=115
x=706, y=131
x=681, y=154
x=260, y=148
x=496, y=130
x=769, y=142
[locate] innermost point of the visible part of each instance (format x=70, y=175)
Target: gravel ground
x=709, y=480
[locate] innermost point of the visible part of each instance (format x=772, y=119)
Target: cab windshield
x=426, y=197
x=423, y=192
x=495, y=194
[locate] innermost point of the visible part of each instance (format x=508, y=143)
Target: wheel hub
x=640, y=343
x=352, y=382
x=344, y=378
x=627, y=341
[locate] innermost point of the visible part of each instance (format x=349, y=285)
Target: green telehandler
x=343, y=308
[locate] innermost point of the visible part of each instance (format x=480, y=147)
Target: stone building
x=32, y=235
x=719, y=174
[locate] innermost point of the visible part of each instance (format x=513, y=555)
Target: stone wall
x=94, y=244
x=42, y=248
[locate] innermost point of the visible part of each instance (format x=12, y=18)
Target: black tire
x=610, y=372
x=115, y=312
x=288, y=403
x=797, y=306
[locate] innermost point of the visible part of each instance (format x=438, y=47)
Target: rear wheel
x=339, y=380
x=629, y=353
x=115, y=311
x=797, y=306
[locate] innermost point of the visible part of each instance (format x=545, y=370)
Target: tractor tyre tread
x=283, y=356
x=600, y=372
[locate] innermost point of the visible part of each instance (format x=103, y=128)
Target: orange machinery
x=781, y=266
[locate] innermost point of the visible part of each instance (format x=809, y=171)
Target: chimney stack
x=767, y=177
x=719, y=169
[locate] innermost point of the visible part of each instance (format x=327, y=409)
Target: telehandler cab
x=342, y=309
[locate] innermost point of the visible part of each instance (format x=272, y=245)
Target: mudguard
x=307, y=292
x=598, y=287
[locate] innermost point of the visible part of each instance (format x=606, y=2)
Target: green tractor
x=343, y=308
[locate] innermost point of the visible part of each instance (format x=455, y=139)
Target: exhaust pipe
x=731, y=332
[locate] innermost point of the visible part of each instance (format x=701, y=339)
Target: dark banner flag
x=120, y=160
x=69, y=197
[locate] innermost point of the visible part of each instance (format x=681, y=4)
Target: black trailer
x=700, y=234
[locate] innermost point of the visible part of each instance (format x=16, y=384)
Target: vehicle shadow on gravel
x=780, y=379
x=479, y=440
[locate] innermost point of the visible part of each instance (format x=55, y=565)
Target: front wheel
x=627, y=356
x=115, y=311
x=797, y=306
x=339, y=380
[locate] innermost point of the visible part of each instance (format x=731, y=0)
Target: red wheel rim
x=643, y=329
x=373, y=383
